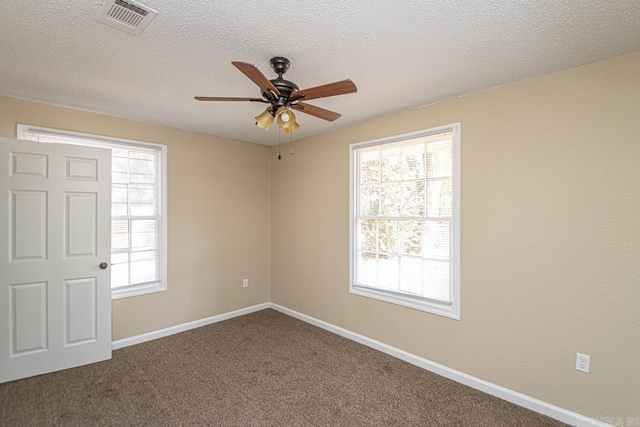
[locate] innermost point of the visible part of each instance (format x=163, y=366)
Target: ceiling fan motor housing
x=280, y=65
x=286, y=88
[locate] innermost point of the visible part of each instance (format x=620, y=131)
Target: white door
x=55, y=298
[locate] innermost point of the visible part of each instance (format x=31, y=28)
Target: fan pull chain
x=291, y=150
x=279, y=143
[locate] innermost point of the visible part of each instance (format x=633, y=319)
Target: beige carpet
x=260, y=369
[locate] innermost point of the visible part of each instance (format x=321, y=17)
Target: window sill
x=451, y=311
x=135, y=290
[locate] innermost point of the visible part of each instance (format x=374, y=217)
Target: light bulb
x=284, y=117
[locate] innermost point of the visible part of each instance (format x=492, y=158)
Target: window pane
x=143, y=267
x=142, y=155
x=119, y=257
x=367, y=235
x=140, y=178
x=410, y=233
x=391, y=164
x=119, y=164
x=390, y=199
x=119, y=196
x=116, y=152
x=119, y=235
x=411, y=276
x=370, y=166
x=436, y=275
x=142, y=168
x=388, y=237
x=367, y=269
x=436, y=240
x=119, y=274
x=118, y=209
x=413, y=161
x=143, y=234
x=119, y=178
x=141, y=194
x=141, y=210
x=439, y=198
x=389, y=272
x=370, y=200
x=141, y=199
x=146, y=167
x=414, y=198
x=439, y=159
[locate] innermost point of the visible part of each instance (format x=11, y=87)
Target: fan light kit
x=284, y=96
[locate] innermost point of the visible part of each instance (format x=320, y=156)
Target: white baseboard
x=126, y=342
x=520, y=399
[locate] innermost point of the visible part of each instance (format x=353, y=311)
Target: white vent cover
x=128, y=15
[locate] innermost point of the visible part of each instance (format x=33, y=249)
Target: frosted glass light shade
x=295, y=126
x=288, y=114
x=264, y=120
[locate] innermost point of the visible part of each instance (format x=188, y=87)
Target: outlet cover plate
x=583, y=362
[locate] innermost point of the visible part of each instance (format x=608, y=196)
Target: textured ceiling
x=400, y=54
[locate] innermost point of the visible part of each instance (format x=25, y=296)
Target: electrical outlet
x=582, y=362
x=245, y=283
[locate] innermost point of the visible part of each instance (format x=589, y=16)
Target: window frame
x=450, y=310
x=100, y=141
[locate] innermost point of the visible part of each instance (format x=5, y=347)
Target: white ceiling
x=400, y=54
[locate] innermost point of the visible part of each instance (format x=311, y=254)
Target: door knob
x=104, y=265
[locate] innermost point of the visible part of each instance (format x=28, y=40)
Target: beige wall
x=218, y=231
x=550, y=237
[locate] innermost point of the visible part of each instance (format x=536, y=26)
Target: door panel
x=55, y=217
x=28, y=321
x=82, y=169
x=31, y=165
x=28, y=212
x=80, y=309
x=80, y=224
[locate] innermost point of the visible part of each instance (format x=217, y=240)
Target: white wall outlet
x=582, y=362
x=245, y=283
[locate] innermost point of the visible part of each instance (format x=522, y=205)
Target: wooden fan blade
x=312, y=110
x=222, y=98
x=324, y=91
x=256, y=76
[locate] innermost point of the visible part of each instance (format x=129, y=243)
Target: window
x=138, y=208
x=405, y=220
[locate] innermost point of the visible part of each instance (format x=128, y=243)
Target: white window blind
x=138, y=208
x=404, y=220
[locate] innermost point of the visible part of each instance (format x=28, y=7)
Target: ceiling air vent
x=129, y=15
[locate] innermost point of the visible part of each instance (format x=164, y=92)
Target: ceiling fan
x=284, y=96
